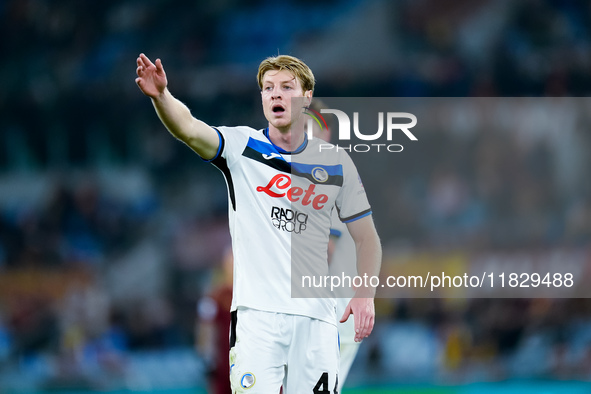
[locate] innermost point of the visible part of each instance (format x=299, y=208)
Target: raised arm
x=175, y=115
x=369, y=260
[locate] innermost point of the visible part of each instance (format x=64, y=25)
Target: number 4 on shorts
x=322, y=385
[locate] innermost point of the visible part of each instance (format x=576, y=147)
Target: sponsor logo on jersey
x=289, y=220
x=280, y=186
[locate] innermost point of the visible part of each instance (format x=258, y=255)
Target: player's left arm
x=369, y=260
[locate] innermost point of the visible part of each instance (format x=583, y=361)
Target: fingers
x=346, y=315
x=141, y=68
x=145, y=67
x=359, y=328
x=365, y=328
x=364, y=314
x=145, y=61
x=140, y=63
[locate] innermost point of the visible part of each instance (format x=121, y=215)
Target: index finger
x=145, y=61
x=360, y=327
x=368, y=327
x=364, y=325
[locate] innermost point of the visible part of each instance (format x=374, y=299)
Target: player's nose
x=276, y=93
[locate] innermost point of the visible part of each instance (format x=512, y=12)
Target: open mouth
x=278, y=109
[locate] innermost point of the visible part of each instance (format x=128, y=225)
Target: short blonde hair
x=285, y=62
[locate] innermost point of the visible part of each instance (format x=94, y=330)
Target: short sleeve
x=351, y=202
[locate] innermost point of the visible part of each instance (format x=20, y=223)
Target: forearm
x=369, y=252
x=369, y=260
x=175, y=115
x=179, y=121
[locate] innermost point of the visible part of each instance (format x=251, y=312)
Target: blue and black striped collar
x=283, y=151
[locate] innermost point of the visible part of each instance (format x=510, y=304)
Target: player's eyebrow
x=291, y=80
x=292, y=83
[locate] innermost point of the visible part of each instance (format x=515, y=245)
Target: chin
x=280, y=123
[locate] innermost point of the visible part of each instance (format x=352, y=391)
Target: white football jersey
x=280, y=206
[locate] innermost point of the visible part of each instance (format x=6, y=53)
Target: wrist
x=365, y=292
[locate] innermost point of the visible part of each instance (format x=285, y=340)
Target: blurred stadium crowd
x=111, y=231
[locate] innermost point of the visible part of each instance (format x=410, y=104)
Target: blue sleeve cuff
x=356, y=217
x=220, y=147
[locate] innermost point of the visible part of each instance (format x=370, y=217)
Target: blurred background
x=113, y=234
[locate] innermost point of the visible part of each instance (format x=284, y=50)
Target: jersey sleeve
x=351, y=202
x=220, y=147
x=232, y=142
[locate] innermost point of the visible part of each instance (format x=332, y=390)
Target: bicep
x=363, y=229
x=203, y=139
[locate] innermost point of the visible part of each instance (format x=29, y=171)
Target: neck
x=287, y=139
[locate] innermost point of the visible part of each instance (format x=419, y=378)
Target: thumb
x=139, y=82
x=346, y=315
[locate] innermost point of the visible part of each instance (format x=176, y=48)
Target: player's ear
x=308, y=96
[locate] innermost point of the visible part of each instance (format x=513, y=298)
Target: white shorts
x=269, y=350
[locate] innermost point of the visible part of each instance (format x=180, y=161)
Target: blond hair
x=285, y=62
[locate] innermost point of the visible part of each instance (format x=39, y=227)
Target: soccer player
x=281, y=191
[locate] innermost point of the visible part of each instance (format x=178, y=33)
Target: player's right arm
x=175, y=115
